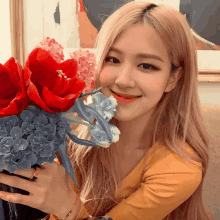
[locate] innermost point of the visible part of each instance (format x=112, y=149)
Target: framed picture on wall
x=204, y=20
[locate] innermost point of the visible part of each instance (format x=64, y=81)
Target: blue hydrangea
x=31, y=137
x=98, y=112
x=98, y=135
x=104, y=106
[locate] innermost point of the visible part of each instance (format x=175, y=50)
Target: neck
x=135, y=134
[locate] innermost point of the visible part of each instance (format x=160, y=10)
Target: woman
x=156, y=170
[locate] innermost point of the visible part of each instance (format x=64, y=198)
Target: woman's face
x=138, y=65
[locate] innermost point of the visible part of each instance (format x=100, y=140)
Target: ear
x=174, y=78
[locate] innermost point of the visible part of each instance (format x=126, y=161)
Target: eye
x=147, y=66
x=108, y=58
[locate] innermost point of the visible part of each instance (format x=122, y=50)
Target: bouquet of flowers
x=37, y=106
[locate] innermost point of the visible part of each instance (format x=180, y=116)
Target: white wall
x=65, y=33
x=209, y=94
x=5, y=37
x=39, y=23
x=33, y=24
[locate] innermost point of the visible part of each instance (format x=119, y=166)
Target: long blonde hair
x=179, y=110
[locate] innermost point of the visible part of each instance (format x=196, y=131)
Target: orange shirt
x=160, y=183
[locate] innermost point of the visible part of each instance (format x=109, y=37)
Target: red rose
x=13, y=96
x=51, y=85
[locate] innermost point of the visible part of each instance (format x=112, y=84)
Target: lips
x=126, y=96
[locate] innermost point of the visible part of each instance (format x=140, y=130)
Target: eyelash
x=153, y=67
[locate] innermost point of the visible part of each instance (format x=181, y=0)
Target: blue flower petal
x=45, y=153
x=25, y=165
x=41, y=160
x=7, y=141
x=16, y=132
x=53, y=120
x=2, y=125
x=36, y=148
x=20, y=144
x=2, y=164
x=7, y=157
x=4, y=149
x=40, y=120
x=51, y=159
x=10, y=120
x=3, y=133
x=26, y=115
x=32, y=158
x=27, y=127
x=12, y=168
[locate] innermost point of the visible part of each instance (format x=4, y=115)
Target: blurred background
x=75, y=24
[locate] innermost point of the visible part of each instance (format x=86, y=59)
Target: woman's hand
x=51, y=192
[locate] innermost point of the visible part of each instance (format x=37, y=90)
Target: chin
x=123, y=117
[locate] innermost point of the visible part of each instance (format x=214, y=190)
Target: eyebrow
x=140, y=55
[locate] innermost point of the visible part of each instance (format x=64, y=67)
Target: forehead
x=141, y=38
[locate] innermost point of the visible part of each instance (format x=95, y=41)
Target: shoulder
x=164, y=162
x=168, y=178
x=160, y=152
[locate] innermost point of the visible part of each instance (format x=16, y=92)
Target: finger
x=16, y=198
x=17, y=182
x=26, y=173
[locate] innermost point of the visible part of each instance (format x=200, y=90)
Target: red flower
x=51, y=85
x=13, y=96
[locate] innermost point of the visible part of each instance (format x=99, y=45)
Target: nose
x=125, y=79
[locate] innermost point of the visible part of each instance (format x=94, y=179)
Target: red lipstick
x=124, y=100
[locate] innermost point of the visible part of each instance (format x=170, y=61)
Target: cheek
x=153, y=84
x=106, y=77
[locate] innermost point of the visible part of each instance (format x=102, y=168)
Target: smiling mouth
x=126, y=96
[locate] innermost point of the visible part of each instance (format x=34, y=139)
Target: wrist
x=68, y=207
x=76, y=212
